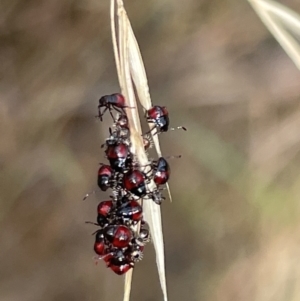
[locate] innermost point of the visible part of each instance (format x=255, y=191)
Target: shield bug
x=118, y=235
x=119, y=156
x=99, y=245
x=120, y=267
x=135, y=182
x=130, y=213
x=105, y=209
x=105, y=177
x=161, y=171
x=159, y=116
x=108, y=102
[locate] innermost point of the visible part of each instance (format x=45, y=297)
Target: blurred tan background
x=232, y=231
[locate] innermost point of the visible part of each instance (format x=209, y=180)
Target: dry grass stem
x=287, y=15
x=280, y=20
x=130, y=68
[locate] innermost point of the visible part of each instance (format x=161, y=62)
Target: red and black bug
x=119, y=156
x=105, y=177
x=108, y=102
x=162, y=171
x=117, y=261
x=105, y=210
x=135, y=182
x=159, y=116
x=118, y=235
x=120, y=267
x=99, y=245
x=130, y=213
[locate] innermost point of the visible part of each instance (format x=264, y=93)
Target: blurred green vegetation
x=232, y=231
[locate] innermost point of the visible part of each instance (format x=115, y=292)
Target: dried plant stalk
x=280, y=20
x=139, y=78
x=130, y=68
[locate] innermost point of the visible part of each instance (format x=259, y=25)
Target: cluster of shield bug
x=117, y=242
